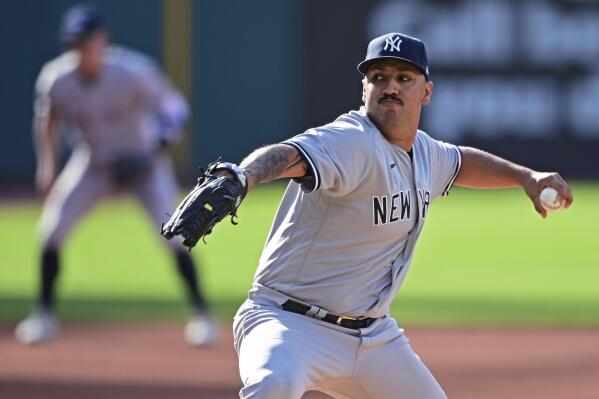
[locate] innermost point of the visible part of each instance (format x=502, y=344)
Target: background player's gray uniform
x=122, y=113
x=345, y=249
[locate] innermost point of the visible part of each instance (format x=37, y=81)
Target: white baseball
x=551, y=200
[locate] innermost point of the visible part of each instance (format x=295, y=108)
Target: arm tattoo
x=296, y=160
x=270, y=162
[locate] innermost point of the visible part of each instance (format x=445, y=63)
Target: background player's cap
x=396, y=46
x=79, y=22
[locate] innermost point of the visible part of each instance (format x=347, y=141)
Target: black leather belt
x=343, y=321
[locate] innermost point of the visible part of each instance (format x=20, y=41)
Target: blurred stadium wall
x=519, y=78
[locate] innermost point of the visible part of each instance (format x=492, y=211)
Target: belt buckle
x=341, y=318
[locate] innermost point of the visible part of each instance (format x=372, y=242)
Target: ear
x=364, y=87
x=428, y=92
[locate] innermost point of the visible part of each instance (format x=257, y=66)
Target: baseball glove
x=128, y=169
x=213, y=198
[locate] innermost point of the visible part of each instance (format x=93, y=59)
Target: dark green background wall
x=248, y=81
x=260, y=71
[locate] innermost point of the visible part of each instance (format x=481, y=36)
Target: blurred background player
x=125, y=113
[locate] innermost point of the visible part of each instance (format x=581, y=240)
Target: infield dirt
x=151, y=361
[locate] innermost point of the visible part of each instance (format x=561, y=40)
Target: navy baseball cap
x=79, y=22
x=396, y=46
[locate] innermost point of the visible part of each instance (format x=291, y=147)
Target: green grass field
x=484, y=258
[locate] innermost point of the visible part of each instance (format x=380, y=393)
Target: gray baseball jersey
x=344, y=240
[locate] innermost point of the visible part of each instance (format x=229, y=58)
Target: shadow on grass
x=495, y=312
x=408, y=310
x=13, y=308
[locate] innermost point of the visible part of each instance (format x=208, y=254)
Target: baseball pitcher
x=342, y=241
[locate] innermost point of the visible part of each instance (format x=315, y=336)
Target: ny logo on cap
x=393, y=43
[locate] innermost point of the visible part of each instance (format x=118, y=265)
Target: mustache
x=391, y=97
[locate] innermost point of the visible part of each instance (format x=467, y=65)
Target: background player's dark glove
x=127, y=169
x=213, y=198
